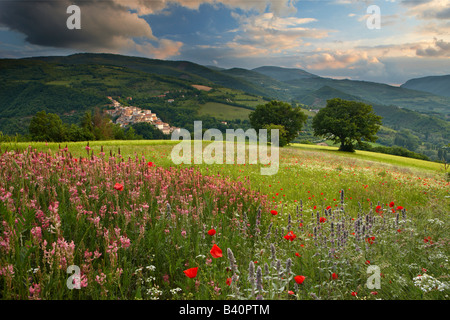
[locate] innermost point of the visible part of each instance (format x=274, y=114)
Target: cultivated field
x=133, y=225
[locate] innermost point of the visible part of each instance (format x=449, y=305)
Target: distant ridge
x=284, y=74
x=439, y=85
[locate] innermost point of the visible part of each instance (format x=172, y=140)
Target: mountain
x=72, y=85
x=183, y=70
x=284, y=74
x=302, y=86
x=439, y=85
x=273, y=88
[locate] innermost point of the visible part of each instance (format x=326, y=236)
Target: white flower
x=427, y=283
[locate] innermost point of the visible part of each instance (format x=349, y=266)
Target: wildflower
x=334, y=276
x=374, y=293
x=290, y=292
x=274, y=212
x=354, y=293
x=212, y=232
x=392, y=204
x=329, y=207
x=216, y=252
x=232, y=260
x=378, y=209
x=290, y=236
x=299, y=279
x=322, y=219
x=191, y=273
x=399, y=208
x=150, y=164
x=427, y=239
x=370, y=240
x=297, y=254
x=229, y=281
x=118, y=187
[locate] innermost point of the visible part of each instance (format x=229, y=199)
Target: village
x=126, y=115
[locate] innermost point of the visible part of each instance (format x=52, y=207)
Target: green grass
x=223, y=111
x=225, y=197
x=378, y=157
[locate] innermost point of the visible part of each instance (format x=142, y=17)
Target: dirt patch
x=200, y=87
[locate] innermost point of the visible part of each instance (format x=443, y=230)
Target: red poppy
x=378, y=209
x=374, y=293
x=392, y=204
x=354, y=293
x=216, y=252
x=229, y=280
x=274, y=212
x=290, y=236
x=334, y=276
x=299, y=279
x=212, y=232
x=290, y=292
x=150, y=164
x=297, y=254
x=399, y=208
x=118, y=187
x=322, y=219
x=367, y=261
x=370, y=240
x=329, y=207
x=427, y=239
x=191, y=273
x=315, y=207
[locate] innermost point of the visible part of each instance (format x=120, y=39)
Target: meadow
x=328, y=225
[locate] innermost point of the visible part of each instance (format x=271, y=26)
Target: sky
x=330, y=38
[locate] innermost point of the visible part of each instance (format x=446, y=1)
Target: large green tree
x=277, y=114
x=345, y=122
x=47, y=127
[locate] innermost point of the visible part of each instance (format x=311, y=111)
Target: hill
x=284, y=74
x=439, y=85
x=71, y=85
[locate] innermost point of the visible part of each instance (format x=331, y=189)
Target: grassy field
x=140, y=227
x=223, y=111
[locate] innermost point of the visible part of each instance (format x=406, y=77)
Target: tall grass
x=133, y=223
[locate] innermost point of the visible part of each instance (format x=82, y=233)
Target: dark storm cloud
x=105, y=25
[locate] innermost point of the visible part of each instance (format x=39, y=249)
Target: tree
x=277, y=113
x=345, y=121
x=47, y=127
x=405, y=138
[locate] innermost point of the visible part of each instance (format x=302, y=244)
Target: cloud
x=268, y=34
x=440, y=48
x=278, y=7
x=336, y=59
x=106, y=26
x=428, y=9
x=167, y=48
x=110, y=26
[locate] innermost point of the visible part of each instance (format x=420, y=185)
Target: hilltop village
x=126, y=115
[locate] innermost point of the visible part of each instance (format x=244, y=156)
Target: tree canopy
x=280, y=115
x=345, y=122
